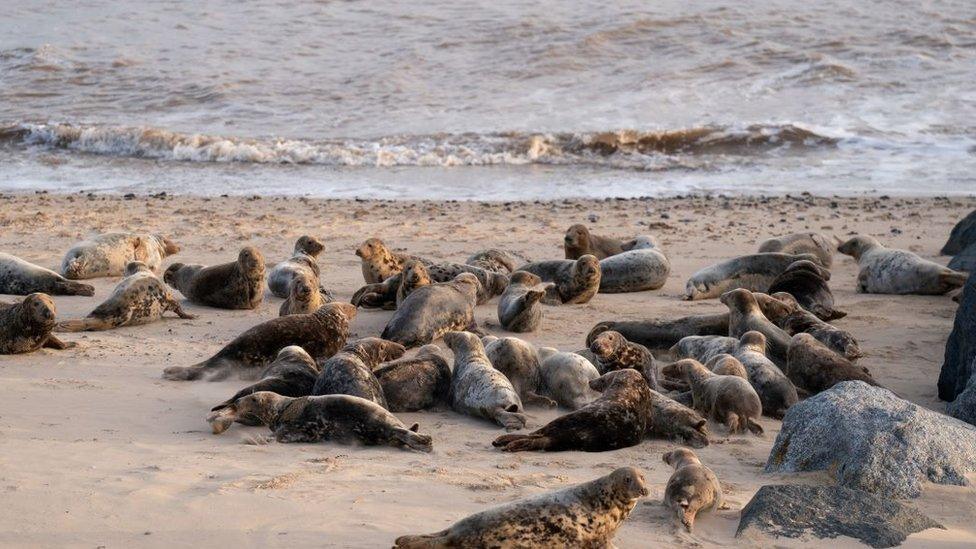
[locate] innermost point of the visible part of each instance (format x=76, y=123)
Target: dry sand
x=96, y=449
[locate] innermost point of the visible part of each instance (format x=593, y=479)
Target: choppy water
x=499, y=99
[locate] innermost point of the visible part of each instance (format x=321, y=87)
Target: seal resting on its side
x=704, y=348
x=302, y=263
x=430, y=311
x=19, y=277
x=579, y=241
x=518, y=308
x=26, y=326
x=890, y=271
x=801, y=243
x=108, y=254
x=663, y=334
x=692, y=487
x=478, y=389
x=800, y=320
x=350, y=371
x=746, y=315
x=753, y=272
x=575, y=281
x=415, y=383
x=673, y=420
x=519, y=361
x=729, y=400
x=642, y=267
x=236, y=285
x=815, y=368
x=566, y=378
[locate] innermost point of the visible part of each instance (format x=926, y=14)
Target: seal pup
x=304, y=297
x=344, y=419
x=661, y=334
x=494, y=260
x=807, y=283
x=430, y=311
x=704, y=348
x=814, y=367
x=108, y=254
x=19, y=277
x=890, y=271
x=140, y=298
x=673, y=420
x=479, y=390
x=643, y=267
x=801, y=243
x=575, y=281
x=579, y=241
x=518, y=308
x=303, y=262
x=413, y=276
x=566, y=378
x=26, y=326
x=236, y=285
x=802, y=321
x=350, y=371
x=379, y=262
x=519, y=361
x=585, y=515
x=746, y=316
x=415, y=383
x=321, y=334
x=753, y=272
x=775, y=390
x=691, y=489
x=616, y=419
x=727, y=365
x=729, y=400
x=614, y=352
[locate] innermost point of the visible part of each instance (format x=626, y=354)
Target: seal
x=727, y=365
x=614, y=352
x=662, y=334
x=704, y=348
x=751, y=272
x=815, y=368
x=108, y=254
x=579, y=241
x=492, y=283
x=494, y=260
x=807, y=283
x=691, y=489
x=432, y=310
x=237, y=285
x=19, y=277
x=728, y=400
x=293, y=374
x=519, y=361
x=616, y=419
x=304, y=297
x=566, y=378
x=775, y=390
x=575, y=281
x=26, y=326
x=303, y=262
x=643, y=267
x=746, y=316
x=674, y=421
x=518, y=308
x=801, y=243
x=339, y=418
x=384, y=294
x=378, y=295
x=585, y=515
x=379, y=262
x=479, y=390
x=801, y=321
x=413, y=276
x=350, y=371
x=321, y=334
x=140, y=298
x=415, y=383
x=890, y=271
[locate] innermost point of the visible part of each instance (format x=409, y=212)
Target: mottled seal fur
x=802, y=321
x=303, y=262
x=140, y=298
x=337, y=418
x=585, y=515
x=643, y=267
x=519, y=308
x=236, y=285
x=19, y=277
x=815, y=368
x=727, y=365
x=478, y=389
x=753, y=272
x=430, y=311
x=494, y=260
x=704, y=348
x=26, y=326
x=802, y=243
x=416, y=383
x=350, y=371
x=674, y=421
x=519, y=361
x=614, y=352
x=889, y=271
x=807, y=283
x=385, y=294
x=304, y=297
x=378, y=295
x=492, y=283
x=379, y=262
x=729, y=400
x=775, y=390
x=321, y=334
x=662, y=334
x=616, y=419
x=575, y=281
x=566, y=378
x=579, y=241
x=108, y=254
x=413, y=276
x=746, y=315
x=691, y=489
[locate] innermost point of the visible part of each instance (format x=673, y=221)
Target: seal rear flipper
x=510, y=419
x=88, y=324
x=54, y=343
x=437, y=540
x=952, y=279
x=413, y=440
x=522, y=443
x=538, y=400
x=67, y=287
x=222, y=417
x=754, y=427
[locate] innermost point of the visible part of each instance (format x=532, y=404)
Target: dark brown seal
x=431, y=311
x=579, y=241
x=575, y=281
x=807, y=283
x=416, y=383
x=746, y=315
x=800, y=320
x=614, y=352
x=350, y=371
x=662, y=334
x=692, y=487
x=815, y=368
x=26, y=326
x=19, y=277
x=237, y=285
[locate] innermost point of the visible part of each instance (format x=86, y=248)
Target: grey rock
x=964, y=407
x=870, y=439
x=793, y=511
x=965, y=260
x=962, y=235
x=960, y=349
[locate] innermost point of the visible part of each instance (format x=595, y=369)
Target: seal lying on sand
x=692, y=487
x=579, y=241
x=293, y=374
x=301, y=263
x=237, y=285
x=108, y=254
x=807, y=283
x=339, y=418
x=518, y=308
x=494, y=260
x=304, y=297
x=704, y=348
x=350, y=371
x=140, y=298
x=585, y=515
x=321, y=334
x=775, y=390
x=815, y=368
x=519, y=361
x=674, y=421
x=430, y=311
x=729, y=400
x=746, y=315
x=575, y=281
x=890, y=271
x=661, y=334
x=641, y=268
x=379, y=262
x=398, y=286
x=752, y=272
x=26, y=326
x=802, y=243
x=800, y=320
x=566, y=378
x=478, y=389
x=19, y=277
x=614, y=352
x=416, y=383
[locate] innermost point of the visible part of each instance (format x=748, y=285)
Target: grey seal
x=19, y=277
x=478, y=389
x=643, y=267
x=26, y=326
x=691, y=489
x=303, y=262
x=890, y=271
x=416, y=383
x=350, y=371
x=235, y=285
x=729, y=400
x=801, y=243
x=753, y=272
x=108, y=254
x=566, y=377
x=575, y=281
x=432, y=310
x=519, y=308
x=519, y=361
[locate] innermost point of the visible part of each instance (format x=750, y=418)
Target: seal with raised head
x=691, y=489
x=108, y=254
x=890, y=271
x=801, y=243
x=519, y=361
x=19, y=277
x=492, y=283
x=673, y=420
x=140, y=298
x=321, y=334
x=800, y=320
x=301, y=263
x=616, y=419
x=350, y=371
x=575, y=281
x=753, y=272
x=579, y=241
x=432, y=310
x=662, y=334
x=236, y=285
x=518, y=308
x=413, y=276
x=807, y=283
x=614, y=352
x=478, y=389
x=345, y=419
x=416, y=383
x=815, y=368
x=746, y=315
x=566, y=377
x=643, y=267
x=585, y=515
x=775, y=390
x=494, y=260
x=729, y=400
x=386, y=294
x=304, y=297
x=26, y=326
x=379, y=262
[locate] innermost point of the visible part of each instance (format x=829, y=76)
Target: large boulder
x=965, y=260
x=793, y=511
x=960, y=350
x=964, y=407
x=869, y=439
x=962, y=235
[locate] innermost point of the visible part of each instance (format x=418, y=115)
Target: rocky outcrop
x=960, y=350
x=962, y=235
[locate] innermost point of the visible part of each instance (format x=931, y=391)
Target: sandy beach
x=97, y=450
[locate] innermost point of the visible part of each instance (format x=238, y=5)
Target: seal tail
x=88, y=324
x=69, y=287
x=197, y=371
x=426, y=541
x=754, y=427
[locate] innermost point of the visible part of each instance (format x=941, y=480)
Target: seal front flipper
x=54, y=343
x=522, y=443
x=89, y=324
x=439, y=540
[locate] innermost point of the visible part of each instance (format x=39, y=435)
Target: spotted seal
x=494, y=260
x=566, y=378
x=381, y=294
x=800, y=320
x=672, y=420
x=108, y=254
x=478, y=389
x=304, y=297
x=236, y=285
x=691, y=489
x=379, y=262
x=753, y=272
x=775, y=390
x=575, y=281
x=801, y=243
x=519, y=361
x=19, y=277
x=729, y=400
x=416, y=383
x=890, y=271
x=350, y=371
x=643, y=267
x=579, y=241
x=807, y=283
x=26, y=326
x=303, y=262
x=614, y=352
x=432, y=310
x=815, y=368
x=518, y=308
